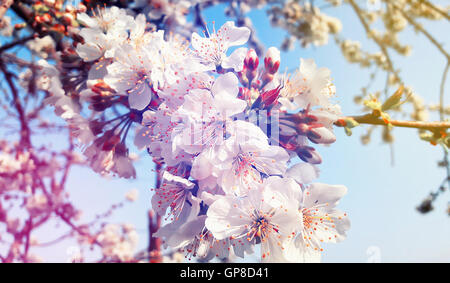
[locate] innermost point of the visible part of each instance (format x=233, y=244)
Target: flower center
x=260, y=227
x=242, y=163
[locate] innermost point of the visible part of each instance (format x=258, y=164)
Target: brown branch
x=442, y=92
x=154, y=223
x=12, y=58
x=77, y=229
x=441, y=115
x=419, y=27
x=68, y=165
x=55, y=241
x=154, y=247
x=430, y=5
x=371, y=119
x=27, y=231
x=369, y=32
x=27, y=14
x=25, y=130
x=15, y=43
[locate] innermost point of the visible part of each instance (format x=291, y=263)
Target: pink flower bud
x=251, y=61
x=272, y=60
x=303, y=117
x=270, y=98
x=309, y=154
x=321, y=135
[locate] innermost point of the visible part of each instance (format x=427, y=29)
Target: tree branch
x=371, y=119
x=17, y=42
x=442, y=92
x=430, y=5
x=25, y=130
x=370, y=34
x=419, y=27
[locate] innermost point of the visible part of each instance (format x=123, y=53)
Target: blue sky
x=381, y=199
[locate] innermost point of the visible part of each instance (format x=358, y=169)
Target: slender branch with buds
x=372, y=119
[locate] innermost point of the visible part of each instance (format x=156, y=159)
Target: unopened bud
x=20, y=26
x=272, y=60
x=59, y=28
x=309, y=154
x=426, y=205
x=303, y=117
x=45, y=18
x=270, y=98
x=251, y=61
x=321, y=135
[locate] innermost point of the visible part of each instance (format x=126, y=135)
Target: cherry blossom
x=241, y=165
x=308, y=86
x=234, y=145
x=106, y=19
x=174, y=194
x=206, y=114
x=322, y=222
x=212, y=49
x=222, y=129
x=118, y=242
x=265, y=215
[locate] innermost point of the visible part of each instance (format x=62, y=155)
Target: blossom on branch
x=223, y=129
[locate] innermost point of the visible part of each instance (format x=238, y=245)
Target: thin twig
x=25, y=130
x=369, y=32
x=441, y=114
x=17, y=42
x=442, y=92
x=419, y=27
x=438, y=10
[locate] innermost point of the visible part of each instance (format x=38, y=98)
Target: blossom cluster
x=118, y=242
x=228, y=134
x=304, y=22
x=32, y=193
